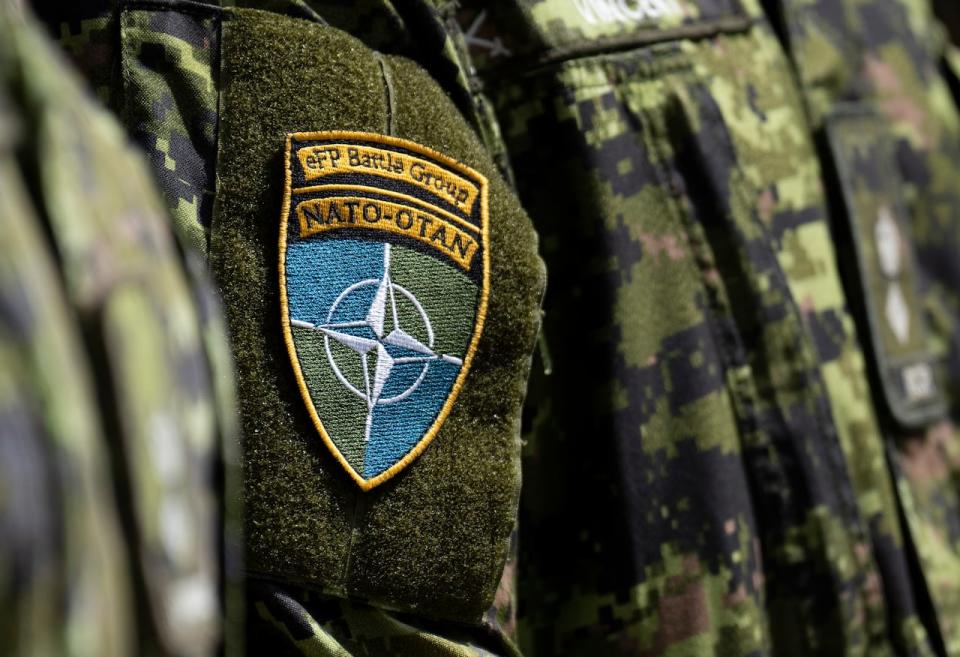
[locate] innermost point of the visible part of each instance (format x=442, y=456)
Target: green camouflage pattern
x=157, y=68
x=121, y=392
x=87, y=33
x=710, y=467
x=732, y=488
x=170, y=79
x=890, y=58
x=53, y=541
x=540, y=31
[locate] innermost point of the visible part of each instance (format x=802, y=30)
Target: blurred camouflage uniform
x=776, y=487
x=117, y=395
x=740, y=434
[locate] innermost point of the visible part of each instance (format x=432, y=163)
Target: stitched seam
x=745, y=400
x=216, y=70
x=651, y=65
x=737, y=188
x=726, y=341
x=359, y=506
x=810, y=373
x=224, y=19
x=390, y=95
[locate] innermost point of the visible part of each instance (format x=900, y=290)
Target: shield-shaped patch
x=384, y=278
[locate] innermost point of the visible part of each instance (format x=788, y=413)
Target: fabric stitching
x=388, y=91
x=727, y=343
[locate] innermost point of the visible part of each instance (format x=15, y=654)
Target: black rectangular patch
x=880, y=266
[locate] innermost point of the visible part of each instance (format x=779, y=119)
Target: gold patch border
x=431, y=433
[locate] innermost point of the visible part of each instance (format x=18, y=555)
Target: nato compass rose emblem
x=384, y=278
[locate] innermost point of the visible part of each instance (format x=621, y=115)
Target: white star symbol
x=369, y=336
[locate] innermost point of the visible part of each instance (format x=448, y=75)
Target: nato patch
x=384, y=279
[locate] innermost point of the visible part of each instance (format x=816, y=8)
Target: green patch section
x=448, y=297
x=342, y=412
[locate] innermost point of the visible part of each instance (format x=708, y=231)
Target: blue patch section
x=397, y=427
x=402, y=376
x=318, y=271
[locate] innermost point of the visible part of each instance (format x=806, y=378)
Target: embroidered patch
x=384, y=279
x=882, y=270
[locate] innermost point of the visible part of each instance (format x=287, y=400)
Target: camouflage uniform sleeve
x=638, y=530
x=124, y=387
x=53, y=540
x=417, y=541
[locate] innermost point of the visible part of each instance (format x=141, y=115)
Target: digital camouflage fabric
x=891, y=61
x=740, y=483
x=117, y=426
x=738, y=437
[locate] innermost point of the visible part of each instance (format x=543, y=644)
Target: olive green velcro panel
x=431, y=539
